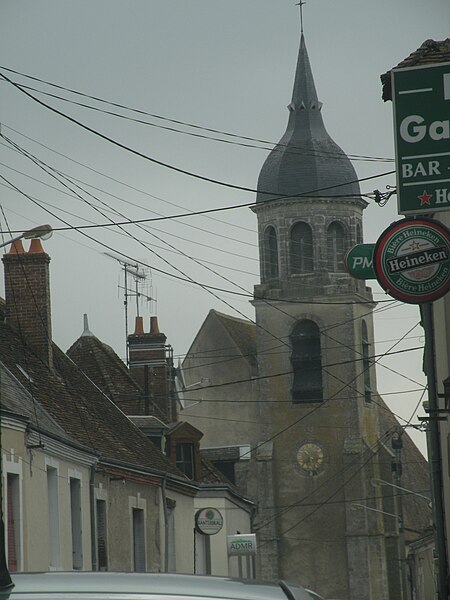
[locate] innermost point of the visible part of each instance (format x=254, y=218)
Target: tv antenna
x=134, y=285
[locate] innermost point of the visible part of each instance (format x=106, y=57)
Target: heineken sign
x=412, y=260
x=421, y=99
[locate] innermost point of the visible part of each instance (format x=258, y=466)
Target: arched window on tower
x=301, y=248
x=359, y=236
x=366, y=363
x=271, y=253
x=306, y=362
x=336, y=247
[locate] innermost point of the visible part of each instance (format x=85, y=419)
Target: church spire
x=306, y=159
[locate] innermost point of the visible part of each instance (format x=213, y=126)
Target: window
x=306, y=362
x=301, y=248
x=102, y=555
x=138, y=540
x=76, y=524
x=366, y=363
x=171, y=554
x=13, y=521
x=271, y=253
x=54, y=559
x=336, y=247
x=359, y=237
x=185, y=459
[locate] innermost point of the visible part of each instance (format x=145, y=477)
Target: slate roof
x=78, y=407
x=430, y=52
x=102, y=365
x=306, y=159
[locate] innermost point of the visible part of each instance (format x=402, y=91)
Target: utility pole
x=435, y=452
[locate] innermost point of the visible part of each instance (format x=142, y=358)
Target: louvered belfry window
x=271, y=253
x=306, y=362
x=336, y=247
x=301, y=248
x=366, y=363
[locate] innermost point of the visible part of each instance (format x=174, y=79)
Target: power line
x=176, y=121
x=173, y=167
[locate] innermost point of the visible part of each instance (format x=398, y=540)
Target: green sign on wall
x=421, y=99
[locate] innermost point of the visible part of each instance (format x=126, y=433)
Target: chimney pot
x=36, y=247
x=17, y=248
x=154, y=328
x=139, y=326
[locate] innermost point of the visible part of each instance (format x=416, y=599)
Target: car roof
x=154, y=586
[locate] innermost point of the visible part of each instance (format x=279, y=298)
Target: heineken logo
x=412, y=260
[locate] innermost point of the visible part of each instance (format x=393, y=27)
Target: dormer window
x=185, y=459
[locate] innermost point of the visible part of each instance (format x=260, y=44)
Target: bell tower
x=318, y=399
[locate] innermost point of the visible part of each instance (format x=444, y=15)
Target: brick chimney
x=27, y=295
x=151, y=366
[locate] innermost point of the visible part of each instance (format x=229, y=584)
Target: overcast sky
x=227, y=66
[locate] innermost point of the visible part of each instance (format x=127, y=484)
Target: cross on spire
x=300, y=4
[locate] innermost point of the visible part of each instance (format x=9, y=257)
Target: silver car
x=145, y=586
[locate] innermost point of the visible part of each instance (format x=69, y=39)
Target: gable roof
x=78, y=407
x=430, y=52
x=242, y=332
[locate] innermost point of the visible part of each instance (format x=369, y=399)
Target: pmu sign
x=421, y=99
x=359, y=261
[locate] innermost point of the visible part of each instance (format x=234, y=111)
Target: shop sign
x=243, y=544
x=412, y=260
x=208, y=521
x=421, y=101
x=358, y=261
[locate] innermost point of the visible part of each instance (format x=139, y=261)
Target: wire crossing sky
x=183, y=75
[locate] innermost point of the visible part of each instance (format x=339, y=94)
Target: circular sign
x=412, y=260
x=208, y=521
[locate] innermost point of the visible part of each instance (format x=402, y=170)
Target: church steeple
x=306, y=158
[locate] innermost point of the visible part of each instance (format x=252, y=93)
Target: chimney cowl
x=139, y=326
x=17, y=248
x=36, y=247
x=154, y=328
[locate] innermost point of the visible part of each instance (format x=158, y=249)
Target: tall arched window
x=306, y=362
x=359, y=236
x=366, y=362
x=271, y=253
x=301, y=248
x=336, y=247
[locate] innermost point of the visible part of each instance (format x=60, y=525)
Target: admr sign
x=421, y=99
x=412, y=260
x=241, y=544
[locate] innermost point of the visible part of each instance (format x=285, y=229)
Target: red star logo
x=425, y=198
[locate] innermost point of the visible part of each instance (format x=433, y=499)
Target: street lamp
x=376, y=482
x=44, y=232
x=400, y=530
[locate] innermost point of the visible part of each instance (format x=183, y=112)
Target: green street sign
x=359, y=261
x=421, y=100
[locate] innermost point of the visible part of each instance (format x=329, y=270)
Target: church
x=290, y=411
